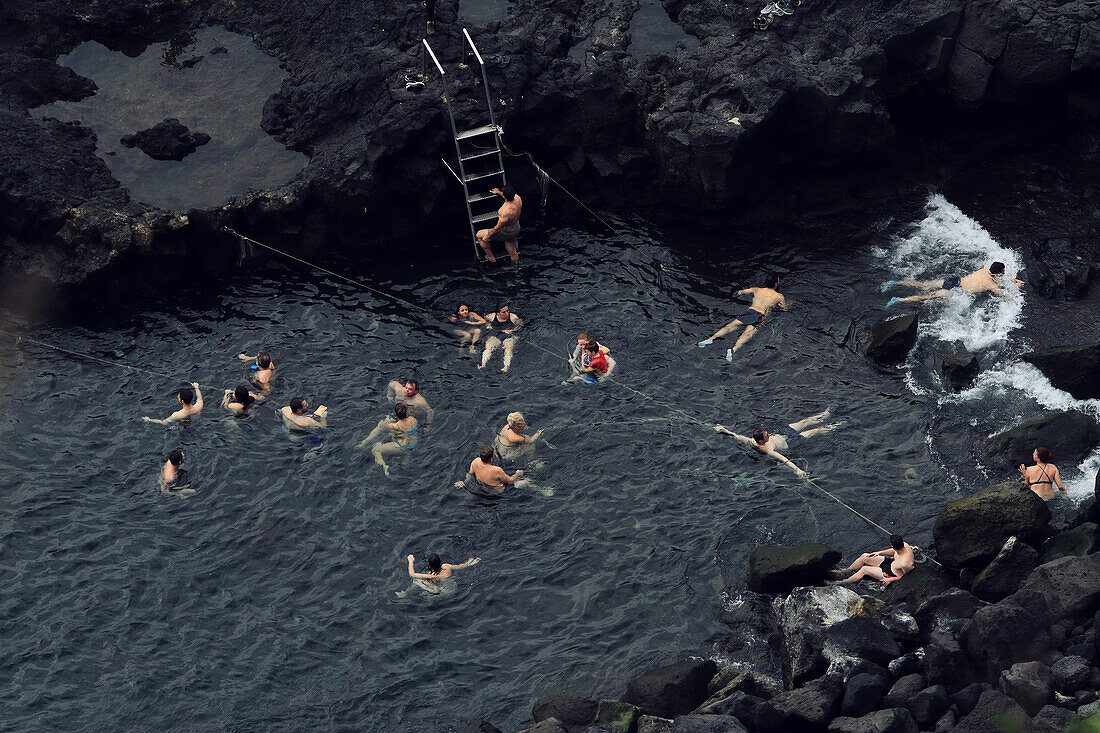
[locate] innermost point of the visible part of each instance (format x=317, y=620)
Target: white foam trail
x=949, y=243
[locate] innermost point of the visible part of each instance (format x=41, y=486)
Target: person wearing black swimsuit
x=1043, y=476
x=886, y=565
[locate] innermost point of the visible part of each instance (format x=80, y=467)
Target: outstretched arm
x=468, y=563
x=246, y=357
x=788, y=463
x=174, y=417
x=198, y=395
x=723, y=429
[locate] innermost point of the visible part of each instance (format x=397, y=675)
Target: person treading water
x=484, y=475
x=507, y=323
x=471, y=324
x=438, y=571
x=591, y=360
x=410, y=395
x=886, y=565
x=190, y=399
x=511, y=441
x=239, y=400
x=979, y=281
x=171, y=474
x=789, y=437
x=763, y=300
x=295, y=417
x=263, y=370
x=1043, y=476
x=404, y=435
x=507, y=228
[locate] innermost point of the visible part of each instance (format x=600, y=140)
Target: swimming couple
x=404, y=430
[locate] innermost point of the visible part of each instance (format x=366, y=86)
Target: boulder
x=753, y=637
x=740, y=705
x=616, y=716
x=1070, y=436
x=861, y=695
x=167, y=140
x=906, y=664
x=550, y=725
x=480, y=726
x=807, y=708
x=921, y=583
x=889, y=341
x=994, y=711
x=904, y=689
x=945, y=661
x=1059, y=270
x=1028, y=683
x=928, y=705
x=1073, y=369
x=653, y=724
x=849, y=642
x=946, y=723
x=804, y=617
x=967, y=698
x=902, y=625
x=1052, y=719
x=1074, y=542
x=1002, y=577
x=707, y=724
x=730, y=680
x=1087, y=711
x=891, y=720
x=1006, y=632
x=779, y=569
x=1071, y=674
x=569, y=709
x=1070, y=586
x=673, y=689
x=947, y=612
x=971, y=531
x=957, y=366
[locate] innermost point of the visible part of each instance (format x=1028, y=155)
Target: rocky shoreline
x=997, y=632
x=832, y=107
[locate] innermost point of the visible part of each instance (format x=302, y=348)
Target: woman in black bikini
x=1043, y=476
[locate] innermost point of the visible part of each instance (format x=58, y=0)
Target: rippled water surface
x=268, y=600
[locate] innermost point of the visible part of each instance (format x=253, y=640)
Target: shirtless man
x=978, y=281
x=507, y=323
x=264, y=369
x=488, y=475
x=763, y=300
x=295, y=417
x=886, y=565
x=190, y=400
x=171, y=470
x=437, y=569
x=507, y=227
x=410, y=395
x=770, y=445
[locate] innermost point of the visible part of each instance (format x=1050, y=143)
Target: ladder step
x=478, y=198
x=479, y=154
x=476, y=131
x=482, y=218
x=475, y=176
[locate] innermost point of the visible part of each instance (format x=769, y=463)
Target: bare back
x=902, y=562
x=509, y=213
x=487, y=473
x=979, y=282
x=764, y=299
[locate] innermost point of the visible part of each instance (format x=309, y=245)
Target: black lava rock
x=1007, y=632
x=891, y=720
x=1075, y=369
x=958, y=367
x=671, y=690
x=928, y=705
x=1059, y=270
x=947, y=612
x=1070, y=586
x=972, y=530
x=889, y=341
x=1028, y=683
x=1070, y=436
x=810, y=707
x=569, y=709
x=168, y=140
x=778, y=569
x=1071, y=674
x=1051, y=719
x=966, y=698
x=480, y=726
x=861, y=637
x=1002, y=577
x=993, y=711
x=1074, y=542
x=707, y=724
x=904, y=689
x=945, y=661
x=861, y=695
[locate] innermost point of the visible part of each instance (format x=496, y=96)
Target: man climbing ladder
x=507, y=226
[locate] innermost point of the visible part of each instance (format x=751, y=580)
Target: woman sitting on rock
x=1042, y=477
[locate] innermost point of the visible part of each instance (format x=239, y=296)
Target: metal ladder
x=477, y=149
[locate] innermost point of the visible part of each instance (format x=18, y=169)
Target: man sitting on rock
x=886, y=565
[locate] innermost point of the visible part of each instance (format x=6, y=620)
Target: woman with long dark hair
x=1043, y=476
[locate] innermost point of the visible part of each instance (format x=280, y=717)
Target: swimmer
x=483, y=472
x=470, y=322
x=295, y=417
x=1043, y=476
x=171, y=471
x=511, y=435
x=886, y=565
x=979, y=281
x=437, y=569
x=264, y=370
x=590, y=365
x=190, y=399
x=508, y=323
x=403, y=434
x=507, y=227
x=410, y=395
x=770, y=445
x=763, y=300
x=239, y=399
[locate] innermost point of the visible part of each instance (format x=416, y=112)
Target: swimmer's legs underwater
x=385, y=449
x=813, y=420
x=491, y=344
x=749, y=332
x=728, y=328
x=509, y=345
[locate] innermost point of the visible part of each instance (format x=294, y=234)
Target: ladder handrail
x=432, y=53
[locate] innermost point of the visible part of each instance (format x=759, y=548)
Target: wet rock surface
x=168, y=140
x=972, y=530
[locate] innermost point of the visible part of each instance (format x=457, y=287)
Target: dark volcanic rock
x=168, y=140
x=740, y=705
x=731, y=680
x=891, y=720
x=958, y=367
x=1070, y=674
x=807, y=708
x=36, y=81
x=551, y=725
x=861, y=695
x=777, y=569
x=1075, y=369
x=889, y=341
x=947, y=612
x=753, y=636
x=966, y=698
x=945, y=661
x=707, y=724
x=994, y=711
x=1028, y=683
x=849, y=642
x=671, y=690
x=972, y=530
x=1076, y=542
x=480, y=726
x=1002, y=577
x=569, y=709
x=616, y=716
x=1008, y=631
x=923, y=582
x=1058, y=270
x=1052, y=719
x=904, y=689
x=1070, y=586
x=928, y=705
x=1070, y=436
x=806, y=615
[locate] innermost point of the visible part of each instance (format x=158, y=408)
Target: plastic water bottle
x=729, y=355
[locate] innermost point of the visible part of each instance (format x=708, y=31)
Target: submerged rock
x=1070, y=436
x=889, y=341
x=168, y=140
x=779, y=569
x=1074, y=369
x=972, y=530
x=957, y=366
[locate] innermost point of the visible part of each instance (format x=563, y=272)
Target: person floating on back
x=886, y=565
x=263, y=370
x=763, y=300
x=507, y=323
x=507, y=228
x=979, y=281
x=190, y=399
x=789, y=437
x=485, y=475
x=295, y=417
x=1043, y=476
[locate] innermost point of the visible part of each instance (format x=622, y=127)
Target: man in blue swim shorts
x=788, y=437
x=763, y=300
x=978, y=281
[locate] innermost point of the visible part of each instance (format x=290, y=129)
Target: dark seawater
x=652, y=31
x=268, y=599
